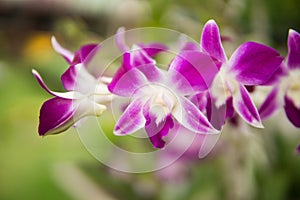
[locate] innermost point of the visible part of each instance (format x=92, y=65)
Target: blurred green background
x=59, y=167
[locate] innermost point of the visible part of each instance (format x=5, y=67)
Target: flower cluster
x=200, y=90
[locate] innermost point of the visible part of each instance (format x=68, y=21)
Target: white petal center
x=224, y=86
x=291, y=85
x=162, y=100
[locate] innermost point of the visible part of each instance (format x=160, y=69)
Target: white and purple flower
x=86, y=95
x=286, y=87
x=158, y=97
x=286, y=91
x=196, y=94
x=251, y=64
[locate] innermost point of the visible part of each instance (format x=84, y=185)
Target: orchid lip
x=161, y=100
x=162, y=105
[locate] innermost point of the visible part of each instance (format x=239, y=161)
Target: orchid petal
x=191, y=46
x=129, y=77
x=229, y=108
x=56, y=116
x=132, y=119
x=87, y=52
x=245, y=107
x=217, y=115
x=188, y=115
x=155, y=131
x=211, y=41
x=277, y=75
x=140, y=57
x=126, y=66
x=141, y=60
x=206, y=104
x=120, y=40
x=192, y=69
x=68, y=78
x=87, y=107
x=292, y=111
x=68, y=56
x=293, y=58
x=76, y=77
x=153, y=49
x=254, y=63
x=65, y=95
x=128, y=83
x=270, y=105
x=201, y=100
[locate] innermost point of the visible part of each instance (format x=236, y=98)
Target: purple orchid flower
x=286, y=91
x=251, y=64
x=85, y=94
x=158, y=99
x=291, y=82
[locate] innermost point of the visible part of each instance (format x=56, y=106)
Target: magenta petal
x=132, y=119
x=188, y=115
x=201, y=100
x=87, y=52
x=206, y=104
x=192, y=69
x=117, y=76
x=68, y=78
x=292, y=111
x=211, y=41
x=141, y=60
x=137, y=68
x=78, y=76
x=121, y=71
x=128, y=83
x=156, y=132
x=217, y=115
x=245, y=107
x=191, y=46
x=254, y=63
x=56, y=115
x=229, y=109
x=277, y=75
x=293, y=58
x=270, y=105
